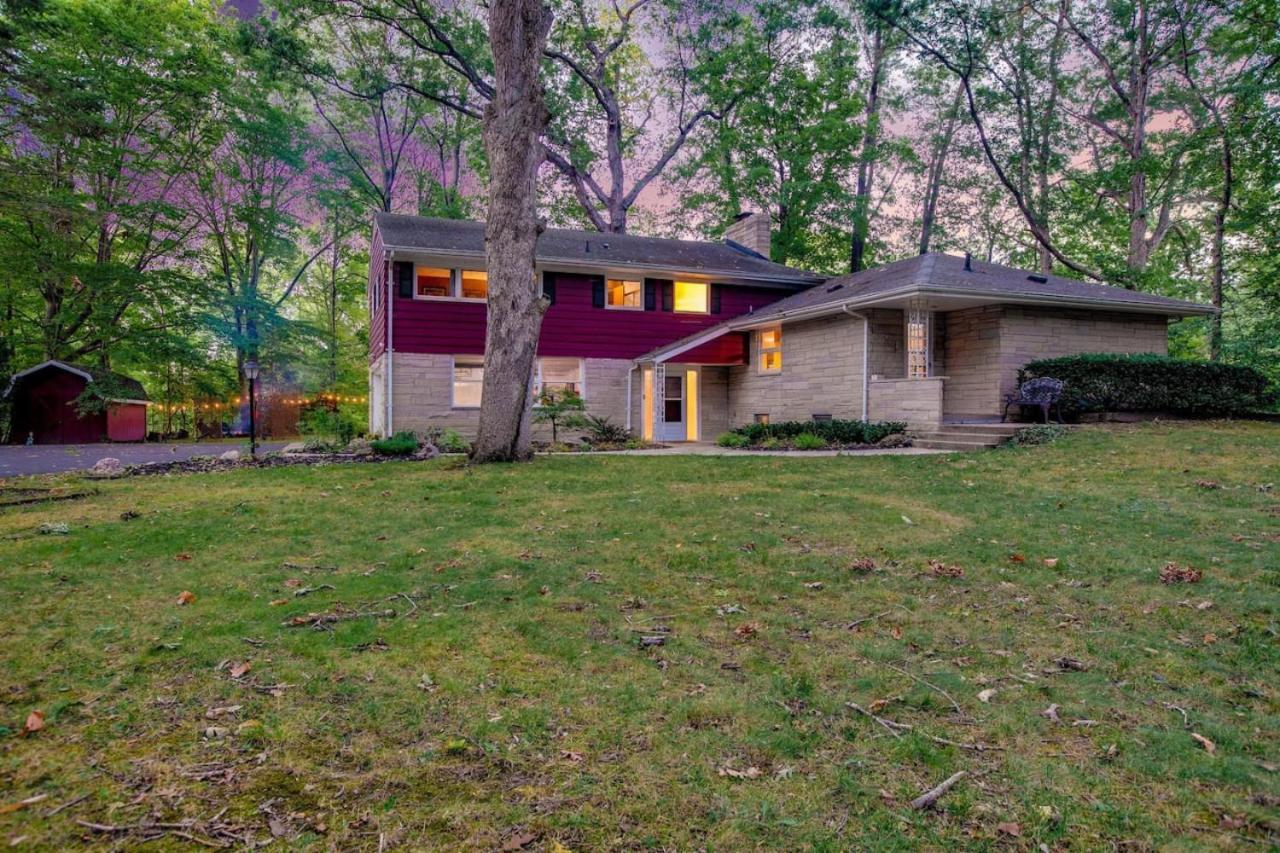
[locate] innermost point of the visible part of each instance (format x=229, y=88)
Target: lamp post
x=251, y=373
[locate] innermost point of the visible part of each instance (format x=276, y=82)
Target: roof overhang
x=456, y=257
x=13, y=380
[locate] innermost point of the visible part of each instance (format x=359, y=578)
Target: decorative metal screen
x=919, y=342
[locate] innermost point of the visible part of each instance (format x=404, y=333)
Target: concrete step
x=1001, y=429
x=950, y=444
x=991, y=439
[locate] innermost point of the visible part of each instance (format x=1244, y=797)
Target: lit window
x=693, y=297
x=434, y=282
x=624, y=294
x=762, y=418
x=771, y=350
x=468, y=382
x=475, y=284
x=558, y=375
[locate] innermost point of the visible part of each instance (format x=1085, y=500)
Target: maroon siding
x=127, y=422
x=571, y=327
x=377, y=307
x=730, y=348
x=43, y=405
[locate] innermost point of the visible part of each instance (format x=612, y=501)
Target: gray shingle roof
x=450, y=236
x=945, y=275
x=130, y=388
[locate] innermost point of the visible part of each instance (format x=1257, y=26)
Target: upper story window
x=692, y=297
x=442, y=283
x=624, y=294
x=771, y=350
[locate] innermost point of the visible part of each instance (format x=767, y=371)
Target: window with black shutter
x=715, y=299
x=668, y=295
x=597, y=293
x=650, y=294
x=549, y=287
x=404, y=279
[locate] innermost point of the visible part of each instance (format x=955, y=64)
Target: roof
x=941, y=275
x=595, y=249
x=131, y=389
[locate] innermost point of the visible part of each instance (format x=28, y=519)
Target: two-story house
x=680, y=340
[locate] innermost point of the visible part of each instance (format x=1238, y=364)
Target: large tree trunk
x=514, y=120
x=937, y=162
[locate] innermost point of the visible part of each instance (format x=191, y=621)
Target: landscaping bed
x=816, y=435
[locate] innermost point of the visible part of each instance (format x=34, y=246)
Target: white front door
x=674, y=410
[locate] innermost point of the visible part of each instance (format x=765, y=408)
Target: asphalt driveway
x=21, y=459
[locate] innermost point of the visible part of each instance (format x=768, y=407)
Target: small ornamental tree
x=560, y=409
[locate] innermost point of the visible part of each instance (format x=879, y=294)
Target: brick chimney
x=750, y=230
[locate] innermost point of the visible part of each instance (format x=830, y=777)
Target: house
x=44, y=409
x=680, y=340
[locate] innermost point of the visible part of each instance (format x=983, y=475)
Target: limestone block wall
x=821, y=374
x=916, y=401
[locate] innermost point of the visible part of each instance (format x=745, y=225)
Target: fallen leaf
x=985, y=695
x=224, y=711
x=1017, y=558
x=1175, y=573
x=1011, y=829
x=570, y=756
x=942, y=570
x=239, y=670
x=1051, y=562
x=747, y=629
x=813, y=585
x=279, y=601
x=34, y=723
x=1051, y=713
x=216, y=732
x=1210, y=639
x=292, y=583
x=752, y=772
x=896, y=631
x=182, y=557
x=1209, y=746
x=907, y=520
x=1204, y=605
x=186, y=597
x=519, y=842
x=863, y=564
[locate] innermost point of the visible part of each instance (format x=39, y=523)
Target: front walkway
x=707, y=448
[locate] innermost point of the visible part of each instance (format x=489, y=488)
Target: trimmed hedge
x=1098, y=382
x=833, y=431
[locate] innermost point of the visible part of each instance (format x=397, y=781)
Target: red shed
x=44, y=406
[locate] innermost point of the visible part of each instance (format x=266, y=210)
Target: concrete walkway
x=20, y=459
x=707, y=448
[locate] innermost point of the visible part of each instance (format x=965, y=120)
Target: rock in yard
x=55, y=528
x=896, y=439
x=360, y=447
x=230, y=456
x=426, y=451
x=295, y=447
x=108, y=466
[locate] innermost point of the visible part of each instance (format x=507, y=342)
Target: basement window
x=771, y=350
x=468, y=381
x=558, y=375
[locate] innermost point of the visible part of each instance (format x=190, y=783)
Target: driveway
x=18, y=459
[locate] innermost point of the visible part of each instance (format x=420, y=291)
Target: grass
x=512, y=702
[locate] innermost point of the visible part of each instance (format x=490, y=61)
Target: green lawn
x=509, y=700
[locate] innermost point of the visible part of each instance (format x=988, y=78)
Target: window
x=474, y=284
x=771, y=350
x=624, y=294
x=434, y=282
x=558, y=374
x=918, y=343
x=441, y=283
x=468, y=382
x=692, y=297
x=762, y=418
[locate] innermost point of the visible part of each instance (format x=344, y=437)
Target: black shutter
x=404, y=278
x=650, y=294
x=597, y=293
x=549, y=287
x=668, y=296
x=715, y=299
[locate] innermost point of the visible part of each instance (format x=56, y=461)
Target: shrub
x=833, y=431
x=732, y=439
x=560, y=409
x=604, y=431
x=771, y=443
x=403, y=443
x=450, y=441
x=809, y=441
x=326, y=428
x=1153, y=383
x=1038, y=434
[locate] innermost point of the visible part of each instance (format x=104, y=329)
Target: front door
x=674, y=409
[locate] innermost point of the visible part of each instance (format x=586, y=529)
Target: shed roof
x=131, y=389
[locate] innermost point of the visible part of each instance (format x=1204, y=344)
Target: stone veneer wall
x=916, y=401
x=821, y=374
x=715, y=402
x=377, y=395
x=986, y=346
x=423, y=392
